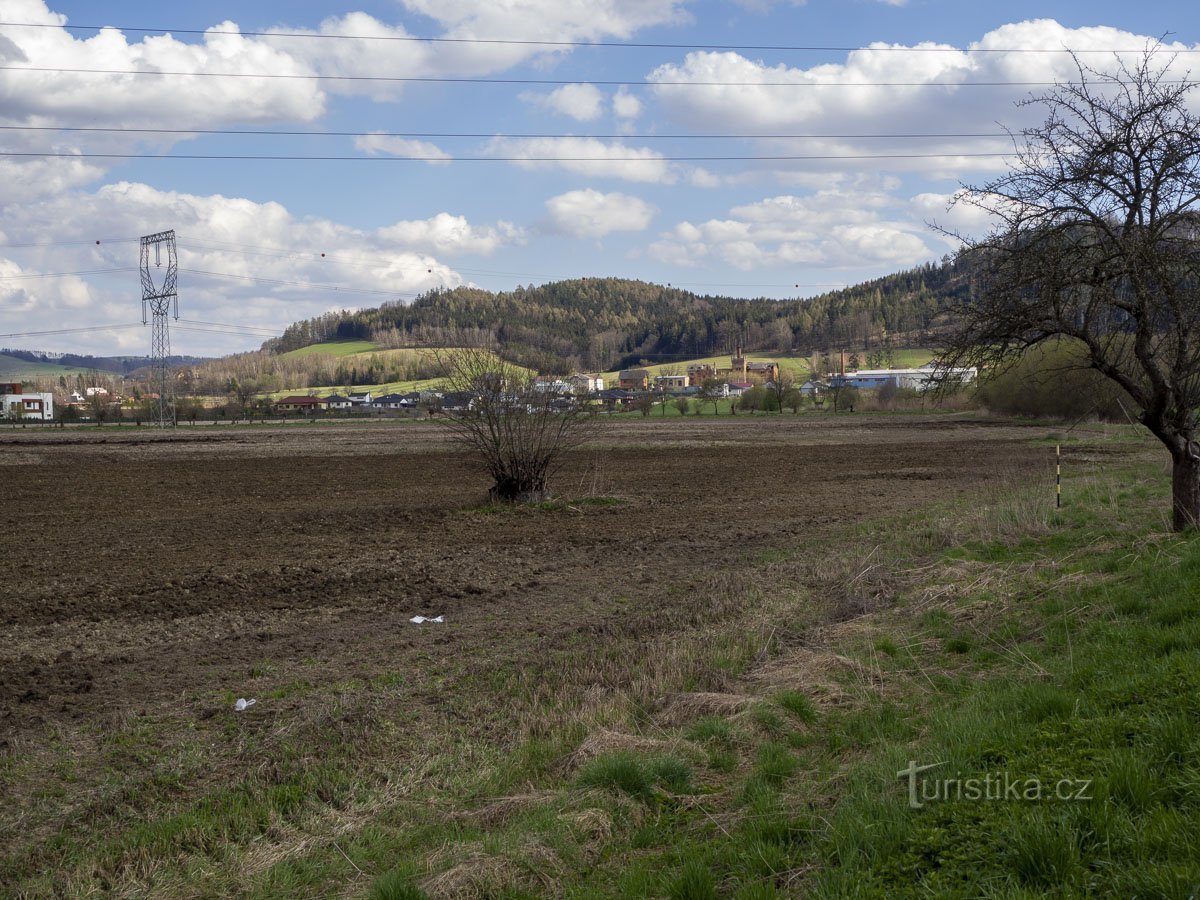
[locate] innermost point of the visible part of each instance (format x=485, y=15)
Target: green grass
x=637, y=775
x=333, y=348
x=12, y=368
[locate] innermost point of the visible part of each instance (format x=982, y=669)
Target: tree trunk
x=1185, y=488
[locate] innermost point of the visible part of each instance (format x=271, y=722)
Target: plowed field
x=155, y=577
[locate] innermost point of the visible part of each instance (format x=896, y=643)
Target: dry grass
x=530, y=866
x=604, y=741
x=679, y=709
x=499, y=810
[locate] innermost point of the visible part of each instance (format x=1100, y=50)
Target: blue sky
x=610, y=184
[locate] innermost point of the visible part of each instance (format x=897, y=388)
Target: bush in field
x=758, y=397
x=1051, y=381
x=518, y=430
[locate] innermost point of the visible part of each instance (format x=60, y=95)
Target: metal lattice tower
x=159, y=300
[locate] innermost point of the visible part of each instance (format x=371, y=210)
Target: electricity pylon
x=159, y=300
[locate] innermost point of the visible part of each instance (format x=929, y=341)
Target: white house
x=587, y=384
x=27, y=405
x=551, y=385
x=671, y=382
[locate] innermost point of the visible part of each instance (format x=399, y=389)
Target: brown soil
x=161, y=574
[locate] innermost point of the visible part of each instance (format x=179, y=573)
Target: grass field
x=13, y=368
x=716, y=710
x=334, y=348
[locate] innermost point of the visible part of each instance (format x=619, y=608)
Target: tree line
x=601, y=324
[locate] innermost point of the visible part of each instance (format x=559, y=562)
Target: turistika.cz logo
x=991, y=787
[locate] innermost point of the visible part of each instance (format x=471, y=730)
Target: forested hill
x=599, y=324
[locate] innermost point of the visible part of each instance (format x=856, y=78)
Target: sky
x=750, y=148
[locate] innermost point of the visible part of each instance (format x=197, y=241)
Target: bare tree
x=1097, y=242
x=784, y=383
x=519, y=429
x=711, y=391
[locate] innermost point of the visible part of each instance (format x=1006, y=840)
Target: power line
x=224, y=325
x=306, y=284
x=68, y=243
x=512, y=136
x=444, y=79
x=65, y=274
x=230, y=332
x=79, y=330
x=277, y=157
x=567, y=43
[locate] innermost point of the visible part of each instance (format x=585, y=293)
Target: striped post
x=1058, y=476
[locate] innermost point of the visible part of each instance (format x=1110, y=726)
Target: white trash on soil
x=417, y=620
x=243, y=704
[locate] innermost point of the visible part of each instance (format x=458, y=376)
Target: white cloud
x=626, y=105
x=549, y=20
x=61, y=97
x=878, y=91
x=65, y=97
x=381, y=51
x=29, y=298
x=582, y=102
x=940, y=211
x=25, y=180
x=589, y=213
x=389, y=50
x=374, y=144
x=836, y=229
x=585, y=156
x=450, y=235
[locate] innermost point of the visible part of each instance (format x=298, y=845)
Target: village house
x=586, y=384
x=361, y=398
x=633, y=380
x=671, y=382
x=337, y=401
x=549, y=384
x=395, y=401
x=302, y=404
x=614, y=398
x=765, y=372
x=17, y=403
